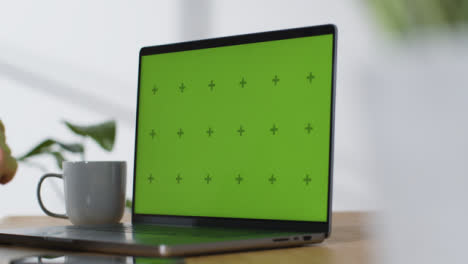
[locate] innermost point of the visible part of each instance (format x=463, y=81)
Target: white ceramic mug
x=94, y=191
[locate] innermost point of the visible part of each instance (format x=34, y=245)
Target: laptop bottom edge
x=159, y=250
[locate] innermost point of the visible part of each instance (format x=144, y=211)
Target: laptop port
x=280, y=239
x=307, y=238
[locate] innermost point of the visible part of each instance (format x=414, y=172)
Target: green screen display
x=237, y=131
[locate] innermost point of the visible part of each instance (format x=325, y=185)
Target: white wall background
x=78, y=61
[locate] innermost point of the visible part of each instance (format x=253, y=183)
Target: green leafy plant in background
x=404, y=16
x=103, y=134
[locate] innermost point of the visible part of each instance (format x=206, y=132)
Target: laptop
x=233, y=149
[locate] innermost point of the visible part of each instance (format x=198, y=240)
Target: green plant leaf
x=53, y=148
x=59, y=158
x=103, y=133
x=42, y=147
x=47, y=146
x=74, y=147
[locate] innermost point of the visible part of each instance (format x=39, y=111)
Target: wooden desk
x=349, y=243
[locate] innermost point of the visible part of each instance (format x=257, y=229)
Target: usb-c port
x=280, y=239
x=307, y=238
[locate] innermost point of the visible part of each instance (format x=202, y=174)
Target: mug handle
x=39, y=199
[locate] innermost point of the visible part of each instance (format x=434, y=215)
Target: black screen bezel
x=299, y=226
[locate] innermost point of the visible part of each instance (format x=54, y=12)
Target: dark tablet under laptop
x=233, y=149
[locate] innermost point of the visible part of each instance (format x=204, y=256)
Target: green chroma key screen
x=238, y=131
